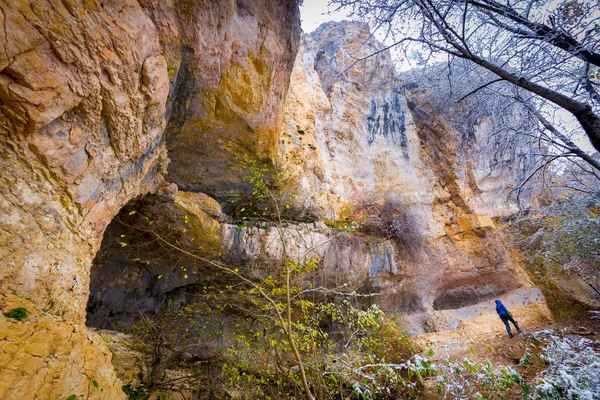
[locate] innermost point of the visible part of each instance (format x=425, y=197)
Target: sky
x=314, y=12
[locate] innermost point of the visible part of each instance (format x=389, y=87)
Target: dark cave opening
x=134, y=274
x=467, y=295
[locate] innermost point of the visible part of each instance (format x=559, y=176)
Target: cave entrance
x=122, y=278
x=134, y=273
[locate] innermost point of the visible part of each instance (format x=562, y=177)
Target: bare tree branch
x=573, y=148
x=478, y=89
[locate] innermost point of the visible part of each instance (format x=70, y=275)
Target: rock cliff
x=351, y=128
x=234, y=72
x=97, y=97
x=84, y=91
x=44, y=356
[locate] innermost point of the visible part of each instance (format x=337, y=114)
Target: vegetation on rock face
x=280, y=334
x=389, y=217
x=561, y=240
x=363, y=354
x=270, y=187
x=18, y=314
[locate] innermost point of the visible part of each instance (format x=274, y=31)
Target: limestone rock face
x=84, y=100
x=83, y=89
x=46, y=357
x=347, y=128
x=441, y=283
x=447, y=283
x=236, y=59
x=476, y=149
x=264, y=242
x=352, y=127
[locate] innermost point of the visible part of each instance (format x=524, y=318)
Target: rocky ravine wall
x=84, y=91
x=234, y=75
x=346, y=134
x=352, y=127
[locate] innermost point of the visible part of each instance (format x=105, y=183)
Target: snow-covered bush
x=567, y=234
x=461, y=379
x=465, y=379
x=573, y=371
x=565, y=368
x=560, y=248
x=570, y=371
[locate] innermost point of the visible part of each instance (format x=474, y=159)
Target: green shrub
x=389, y=343
x=18, y=314
x=171, y=70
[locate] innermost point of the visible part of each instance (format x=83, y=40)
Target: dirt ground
x=500, y=350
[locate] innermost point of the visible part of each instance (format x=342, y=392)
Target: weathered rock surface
x=348, y=132
x=45, y=356
x=83, y=91
x=477, y=147
x=347, y=128
x=351, y=127
x=444, y=284
x=236, y=59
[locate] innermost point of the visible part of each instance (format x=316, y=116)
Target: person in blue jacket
x=505, y=316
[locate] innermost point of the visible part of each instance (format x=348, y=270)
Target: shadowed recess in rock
x=467, y=295
x=133, y=274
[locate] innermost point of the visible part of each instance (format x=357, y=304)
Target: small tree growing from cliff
x=284, y=315
x=290, y=320
x=271, y=196
x=388, y=216
x=276, y=300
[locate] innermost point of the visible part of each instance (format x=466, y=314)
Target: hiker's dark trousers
x=505, y=318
